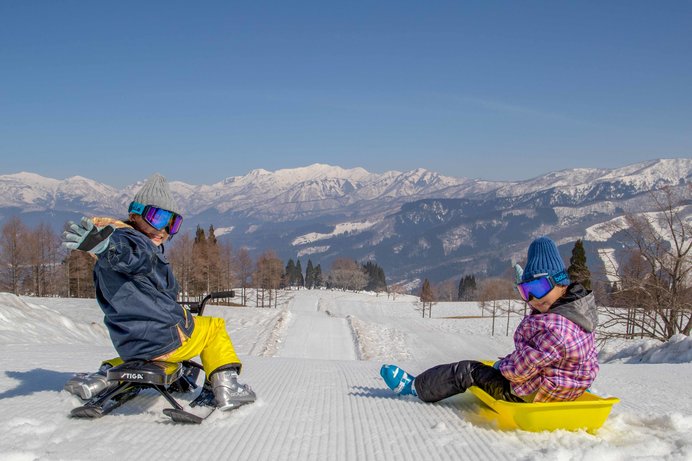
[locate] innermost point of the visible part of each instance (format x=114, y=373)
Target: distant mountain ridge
x=413, y=223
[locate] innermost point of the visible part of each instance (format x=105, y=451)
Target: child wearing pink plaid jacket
x=554, y=359
x=554, y=355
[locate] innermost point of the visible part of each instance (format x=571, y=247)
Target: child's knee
x=218, y=323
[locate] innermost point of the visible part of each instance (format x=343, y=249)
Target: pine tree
x=200, y=270
x=290, y=273
x=376, y=277
x=212, y=238
x=213, y=262
x=299, y=280
x=467, y=288
x=199, y=235
x=578, y=270
x=310, y=276
x=427, y=296
x=319, y=280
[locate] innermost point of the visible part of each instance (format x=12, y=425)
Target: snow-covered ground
x=314, y=363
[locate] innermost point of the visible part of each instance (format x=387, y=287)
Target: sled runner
x=164, y=377
x=587, y=412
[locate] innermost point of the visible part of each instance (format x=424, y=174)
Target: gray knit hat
x=156, y=192
x=544, y=259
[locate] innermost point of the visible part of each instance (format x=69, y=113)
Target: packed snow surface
x=314, y=362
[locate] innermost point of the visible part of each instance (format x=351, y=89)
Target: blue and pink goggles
x=158, y=218
x=539, y=287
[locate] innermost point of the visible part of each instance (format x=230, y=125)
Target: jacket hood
x=578, y=305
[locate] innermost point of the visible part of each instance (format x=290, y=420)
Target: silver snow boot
x=228, y=392
x=89, y=385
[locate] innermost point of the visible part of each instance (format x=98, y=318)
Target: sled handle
x=214, y=295
x=221, y=294
x=198, y=307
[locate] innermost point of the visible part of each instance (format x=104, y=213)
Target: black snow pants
x=444, y=381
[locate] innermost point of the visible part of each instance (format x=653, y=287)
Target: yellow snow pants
x=209, y=340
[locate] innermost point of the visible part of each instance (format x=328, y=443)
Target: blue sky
x=201, y=91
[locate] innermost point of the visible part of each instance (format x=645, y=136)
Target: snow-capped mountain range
x=415, y=224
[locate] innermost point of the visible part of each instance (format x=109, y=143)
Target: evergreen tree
x=200, y=272
x=290, y=273
x=467, y=288
x=319, y=280
x=578, y=270
x=376, y=277
x=310, y=275
x=199, y=235
x=213, y=262
x=212, y=238
x=299, y=280
x=427, y=296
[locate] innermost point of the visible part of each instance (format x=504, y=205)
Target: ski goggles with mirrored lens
x=538, y=288
x=158, y=218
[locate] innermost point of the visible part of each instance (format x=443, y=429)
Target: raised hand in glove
x=87, y=237
x=518, y=273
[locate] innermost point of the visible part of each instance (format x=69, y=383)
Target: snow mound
x=375, y=342
x=678, y=349
x=25, y=323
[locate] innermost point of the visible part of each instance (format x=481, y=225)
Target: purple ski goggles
x=158, y=218
x=538, y=288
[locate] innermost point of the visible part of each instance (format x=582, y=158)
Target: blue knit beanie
x=544, y=259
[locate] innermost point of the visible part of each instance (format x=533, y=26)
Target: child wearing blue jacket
x=137, y=291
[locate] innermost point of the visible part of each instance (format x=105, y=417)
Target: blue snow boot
x=398, y=380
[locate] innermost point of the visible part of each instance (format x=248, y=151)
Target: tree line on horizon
x=34, y=263
x=648, y=295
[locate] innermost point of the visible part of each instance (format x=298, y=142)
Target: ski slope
x=314, y=363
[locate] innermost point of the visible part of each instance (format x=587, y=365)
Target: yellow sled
x=588, y=412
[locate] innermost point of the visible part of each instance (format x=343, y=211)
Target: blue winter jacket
x=137, y=292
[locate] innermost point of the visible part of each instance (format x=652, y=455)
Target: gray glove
x=518, y=273
x=87, y=237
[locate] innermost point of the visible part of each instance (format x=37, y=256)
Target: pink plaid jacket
x=554, y=357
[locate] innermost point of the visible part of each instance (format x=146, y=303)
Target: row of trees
x=469, y=290
x=650, y=295
x=33, y=262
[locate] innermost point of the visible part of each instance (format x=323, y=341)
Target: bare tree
x=80, y=276
x=267, y=278
x=181, y=258
x=42, y=245
x=653, y=289
x=396, y=289
x=447, y=290
x=13, y=254
x=244, y=266
x=227, y=267
x=347, y=274
x=491, y=293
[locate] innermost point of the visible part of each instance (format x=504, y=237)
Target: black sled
x=165, y=377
